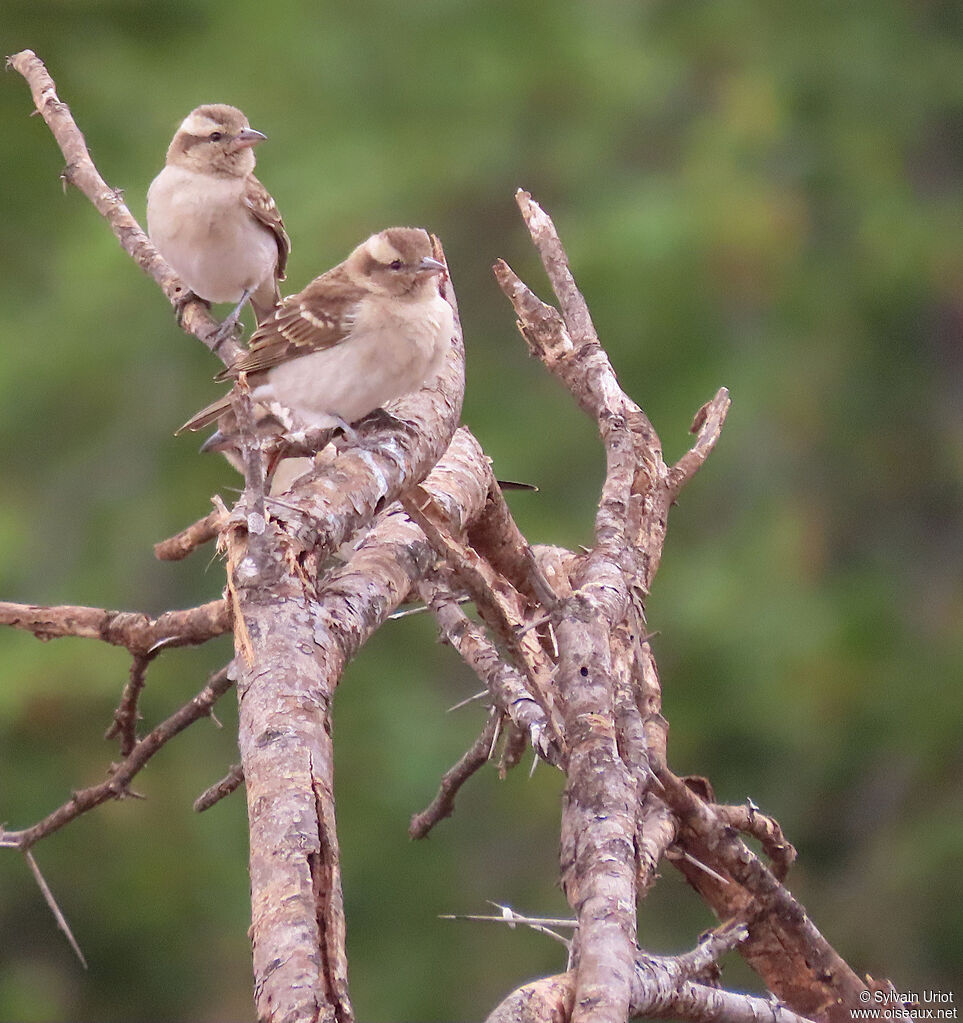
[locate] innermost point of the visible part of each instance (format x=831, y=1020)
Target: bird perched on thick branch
x=211, y=218
x=369, y=330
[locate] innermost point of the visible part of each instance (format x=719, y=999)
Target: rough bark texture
x=295, y=641
x=560, y=648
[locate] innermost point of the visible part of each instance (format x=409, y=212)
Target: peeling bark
x=561, y=649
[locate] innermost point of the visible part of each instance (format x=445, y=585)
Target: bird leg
x=229, y=324
x=306, y=437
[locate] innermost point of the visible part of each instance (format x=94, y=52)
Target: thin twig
x=495, y=599
x=126, y=714
x=179, y=546
x=713, y=945
x=116, y=786
x=443, y=805
x=707, y=426
x=748, y=818
x=231, y=781
x=506, y=685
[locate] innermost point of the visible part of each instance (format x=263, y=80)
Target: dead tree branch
x=177, y=547
x=138, y=633
x=608, y=684
x=662, y=988
x=507, y=687
x=796, y=962
x=220, y=790
x=117, y=785
x=562, y=649
x=81, y=172
x=443, y=805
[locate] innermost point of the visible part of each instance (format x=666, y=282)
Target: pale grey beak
x=431, y=266
x=216, y=442
x=247, y=137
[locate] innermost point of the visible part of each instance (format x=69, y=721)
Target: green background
x=764, y=196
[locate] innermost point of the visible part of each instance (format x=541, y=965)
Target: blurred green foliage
x=762, y=196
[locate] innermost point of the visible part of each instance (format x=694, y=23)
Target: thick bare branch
x=599, y=809
x=136, y=632
x=299, y=648
x=547, y=1000
x=661, y=989
x=796, y=962
x=657, y=831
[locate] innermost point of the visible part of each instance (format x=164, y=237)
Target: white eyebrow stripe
x=382, y=250
x=198, y=124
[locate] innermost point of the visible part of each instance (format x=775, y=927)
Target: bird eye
x=216, y=136
x=396, y=264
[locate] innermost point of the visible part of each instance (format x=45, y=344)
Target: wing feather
x=262, y=205
x=318, y=317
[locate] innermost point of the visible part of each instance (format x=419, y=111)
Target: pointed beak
x=247, y=137
x=431, y=266
x=216, y=442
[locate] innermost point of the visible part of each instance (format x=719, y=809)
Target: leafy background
x=762, y=196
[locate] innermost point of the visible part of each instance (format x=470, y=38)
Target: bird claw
x=382, y=418
x=228, y=328
x=183, y=300
x=350, y=433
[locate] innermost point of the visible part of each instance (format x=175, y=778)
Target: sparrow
x=212, y=220
x=369, y=330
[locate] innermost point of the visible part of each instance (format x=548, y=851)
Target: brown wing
x=318, y=317
x=260, y=202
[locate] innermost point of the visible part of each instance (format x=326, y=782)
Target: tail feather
x=207, y=415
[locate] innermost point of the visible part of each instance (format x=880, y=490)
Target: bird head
x=216, y=139
x=397, y=262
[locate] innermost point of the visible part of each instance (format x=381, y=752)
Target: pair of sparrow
x=369, y=330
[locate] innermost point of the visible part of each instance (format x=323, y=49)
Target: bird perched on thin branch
x=369, y=330
x=211, y=218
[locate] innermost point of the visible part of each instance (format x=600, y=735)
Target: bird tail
x=207, y=415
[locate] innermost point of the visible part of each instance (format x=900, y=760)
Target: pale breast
x=201, y=228
x=394, y=349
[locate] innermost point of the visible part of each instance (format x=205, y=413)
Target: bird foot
x=228, y=328
x=350, y=433
x=381, y=418
x=183, y=300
